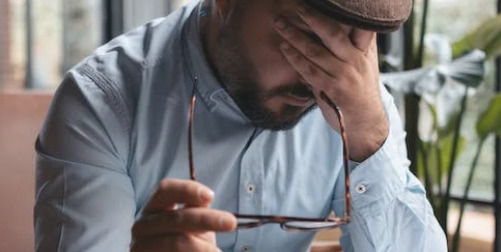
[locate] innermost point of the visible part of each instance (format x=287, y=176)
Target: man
x=113, y=165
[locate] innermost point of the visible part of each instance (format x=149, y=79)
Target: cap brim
x=366, y=17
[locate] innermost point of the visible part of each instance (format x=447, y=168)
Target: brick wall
x=6, y=76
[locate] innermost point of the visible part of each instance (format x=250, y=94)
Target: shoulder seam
x=110, y=90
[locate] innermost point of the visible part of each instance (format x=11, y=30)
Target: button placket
x=250, y=194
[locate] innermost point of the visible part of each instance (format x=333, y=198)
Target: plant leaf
x=468, y=70
x=427, y=166
x=439, y=47
x=448, y=100
x=490, y=120
x=446, y=150
x=406, y=81
x=450, y=125
x=427, y=82
x=487, y=37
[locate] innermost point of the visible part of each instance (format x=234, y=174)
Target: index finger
x=186, y=220
x=171, y=192
x=335, y=36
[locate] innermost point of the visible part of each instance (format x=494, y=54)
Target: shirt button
x=246, y=249
x=360, y=189
x=251, y=188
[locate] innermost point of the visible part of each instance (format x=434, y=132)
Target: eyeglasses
x=293, y=224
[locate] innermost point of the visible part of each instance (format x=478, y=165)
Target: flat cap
x=374, y=15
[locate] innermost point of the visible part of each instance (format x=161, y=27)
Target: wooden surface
x=21, y=116
x=325, y=246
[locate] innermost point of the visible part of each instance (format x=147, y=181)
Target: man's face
x=255, y=73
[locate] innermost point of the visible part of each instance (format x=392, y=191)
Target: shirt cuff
x=381, y=176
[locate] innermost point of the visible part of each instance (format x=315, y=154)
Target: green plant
x=443, y=90
x=488, y=123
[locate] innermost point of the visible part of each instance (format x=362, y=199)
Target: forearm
x=389, y=205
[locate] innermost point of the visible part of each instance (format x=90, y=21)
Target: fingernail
x=281, y=24
x=206, y=195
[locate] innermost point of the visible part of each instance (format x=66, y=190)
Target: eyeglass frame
x=283, y=220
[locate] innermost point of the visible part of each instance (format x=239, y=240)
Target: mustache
x=297, y=89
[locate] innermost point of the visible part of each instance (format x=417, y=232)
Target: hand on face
x=343, y=65
x=164, y=227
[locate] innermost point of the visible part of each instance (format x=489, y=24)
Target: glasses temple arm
x=346, y=156
x=190, y=129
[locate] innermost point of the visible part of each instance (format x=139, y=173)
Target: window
x=41, y=40
x=455, y=18
x=468, y=15
x=139, y=12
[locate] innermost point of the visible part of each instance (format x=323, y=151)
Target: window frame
x=113, y=19
x=28, y=82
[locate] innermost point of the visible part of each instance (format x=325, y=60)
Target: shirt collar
x=210, y=90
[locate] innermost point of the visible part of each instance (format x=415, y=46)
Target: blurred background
x=40, y=40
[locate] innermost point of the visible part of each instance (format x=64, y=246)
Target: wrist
x=363, y=145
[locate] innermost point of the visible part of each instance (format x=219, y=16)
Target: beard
x=239, y=78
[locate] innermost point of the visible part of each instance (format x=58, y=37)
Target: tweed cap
x=374, y=15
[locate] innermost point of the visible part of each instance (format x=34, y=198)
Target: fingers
x=318, y=78
x=186, y=220
x=174, y=191
x=310, y=72
x=373, y=50
x=306, y=45
x=318, y=65
x=182, y=243
x=164, y=227
x=341, y=40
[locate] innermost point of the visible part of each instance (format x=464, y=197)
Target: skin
x=166, y=227
x=280, y=61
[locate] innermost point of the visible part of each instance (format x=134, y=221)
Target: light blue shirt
x=118, y=126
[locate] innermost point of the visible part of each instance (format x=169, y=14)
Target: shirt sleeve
x=84, y=197
x=390, y=211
